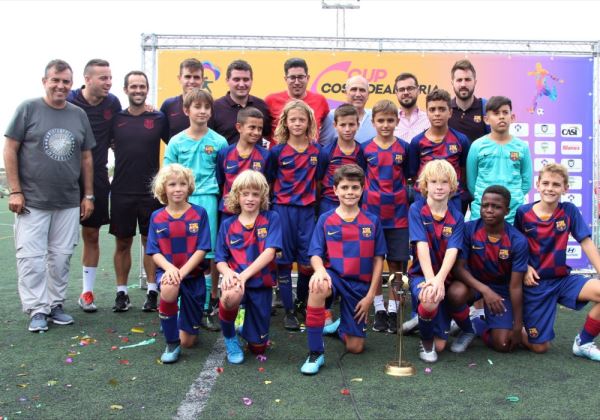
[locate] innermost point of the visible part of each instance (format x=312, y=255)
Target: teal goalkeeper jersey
x=198, y=155
x=491, y=163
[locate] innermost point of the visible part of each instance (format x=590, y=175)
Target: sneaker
x=381, y=321
x=461, y=342
x=171, y=356
x=427, y=356
x=408, y=327
x=59, y=317
x=331, y=328
x=38, y=322
x=454, y=328
x=122, y=303
x=588, y=350
x=86, y=302
x=151, y=303
x=235, y=354
x=209, y=323
x=313, y=363
x=290, y=322
x=392, y=326
x=300, y=308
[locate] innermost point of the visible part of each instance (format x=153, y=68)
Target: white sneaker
x=454, y=328
x=461, y=342
x=427, y=356
x=410, y=325
x=588, y=350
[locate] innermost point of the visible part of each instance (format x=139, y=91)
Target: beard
x=408, y=103
x=464, y=93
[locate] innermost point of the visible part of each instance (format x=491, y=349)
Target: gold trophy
x=399, y=367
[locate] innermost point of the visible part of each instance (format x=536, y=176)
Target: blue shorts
x=327, y=204
x=192, y=295
x=257, y=302
x=396, y=241
x=350, y=292
x=441, y=322
x=297, y=226
x=539, y=304
x=500, y=321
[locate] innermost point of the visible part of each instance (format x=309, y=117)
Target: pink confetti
x=471, y=365
x=113, y=348
x=261, y=358
x=345, y=391
x=124, y=362
x=427, y=370
x=219, y=370
x=69, y=360
x=261, y=369
x=247, y=401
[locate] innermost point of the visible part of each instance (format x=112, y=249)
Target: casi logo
x=571, y=130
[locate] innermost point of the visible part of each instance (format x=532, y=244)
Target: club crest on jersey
x=193, y=227
x=453, y=148
x=561, y=226
x=447, y=231
x=533, y=332
x=107, y=114
x=149, y=123
x=514, y=156
x=503, y=254
x=313, y=160
x=366, y=232
x=261, y=232
x=477, y=118
x=209, y=150
x=398, y=158
x=257, y=166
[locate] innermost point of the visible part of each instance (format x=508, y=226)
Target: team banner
x=552, y=96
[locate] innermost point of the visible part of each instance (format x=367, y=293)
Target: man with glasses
x=48, y=146
x=411, y=120
x=296, y=77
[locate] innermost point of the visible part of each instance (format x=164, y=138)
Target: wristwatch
x=92, y=198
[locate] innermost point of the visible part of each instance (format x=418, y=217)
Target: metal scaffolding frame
x=152, y=43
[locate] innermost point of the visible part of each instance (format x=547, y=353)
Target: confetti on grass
x=69, y=360
x=490, y=362
x=247, y=401
x=356, y=380
x=261, y=358
x=512, y=398
x=472, y=365
x=345, y=391
x=261, y=369
x=268, y=382
x=140, y=344
x=219, y=370
x=116, y=407
x=137, y=330
x=427, y=370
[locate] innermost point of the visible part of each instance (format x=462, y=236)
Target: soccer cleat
x=151, y=303
x=392, y=326
x=408, y=327
x=588, y=350
x=290, y=322
x=427, y=356
x=300, y=308
x=122, y=303
x=38, y=323
x=313, y=363
x=381, y=321
x=170, y=356
x=454, y=328
x=331, y=328
x=460, y=344
x=208, y=322
x=235, y=354
x=59, y=317
x=86, y=302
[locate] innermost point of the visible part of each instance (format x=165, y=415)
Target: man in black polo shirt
x=225, y=109
x=136, y=135
x=467, y=110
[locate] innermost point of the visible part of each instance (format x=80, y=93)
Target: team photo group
x=251, y=190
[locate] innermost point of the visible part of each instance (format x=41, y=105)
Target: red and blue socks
x=168, y=320
x=315, y=321
x=461, y=316
x=426, y=322
x=590, y=330
x=227, y=319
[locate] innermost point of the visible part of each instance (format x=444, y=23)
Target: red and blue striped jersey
x=385, y=192
x=348, y=248
x=548, y=239
x=454, y=148
x=239, y=246
x=440, y=235
x=230, y=163
x=295, y=174
x=178, y=239
x=494, y=262
x=331, y=158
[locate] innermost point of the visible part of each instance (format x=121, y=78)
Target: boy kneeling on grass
x=347, y=250
x=245, y=256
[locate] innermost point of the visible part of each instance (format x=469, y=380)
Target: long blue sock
x=168, y=320
x=461, y=316
x=479, y=325
x=284, y=277
x=227, y=319
x=315, y=320
x=426, y=322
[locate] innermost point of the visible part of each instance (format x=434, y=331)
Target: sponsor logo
x=121, y=124
x=571, y=148
x=477, y=247
x=561, y=225
x=519, y=129
x=529, y=229
x=573, y=252
x=366, y=232
x=231, y=166
x=287, y=162
x=503, y=254
x=447, y=231
x=335, y=232
x=573, y=165
x=160, y=230
x=539, y=163
x=575, y=182
x=370, y=158
x=544, y=147
x=514, y=156
x=193, y=227
x=576, y=199
x=261, y=232
x=571, y=130
x=545, y=130
x=234, y=241
x=149, y=123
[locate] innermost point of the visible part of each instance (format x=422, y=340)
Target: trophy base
x=405, y=369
